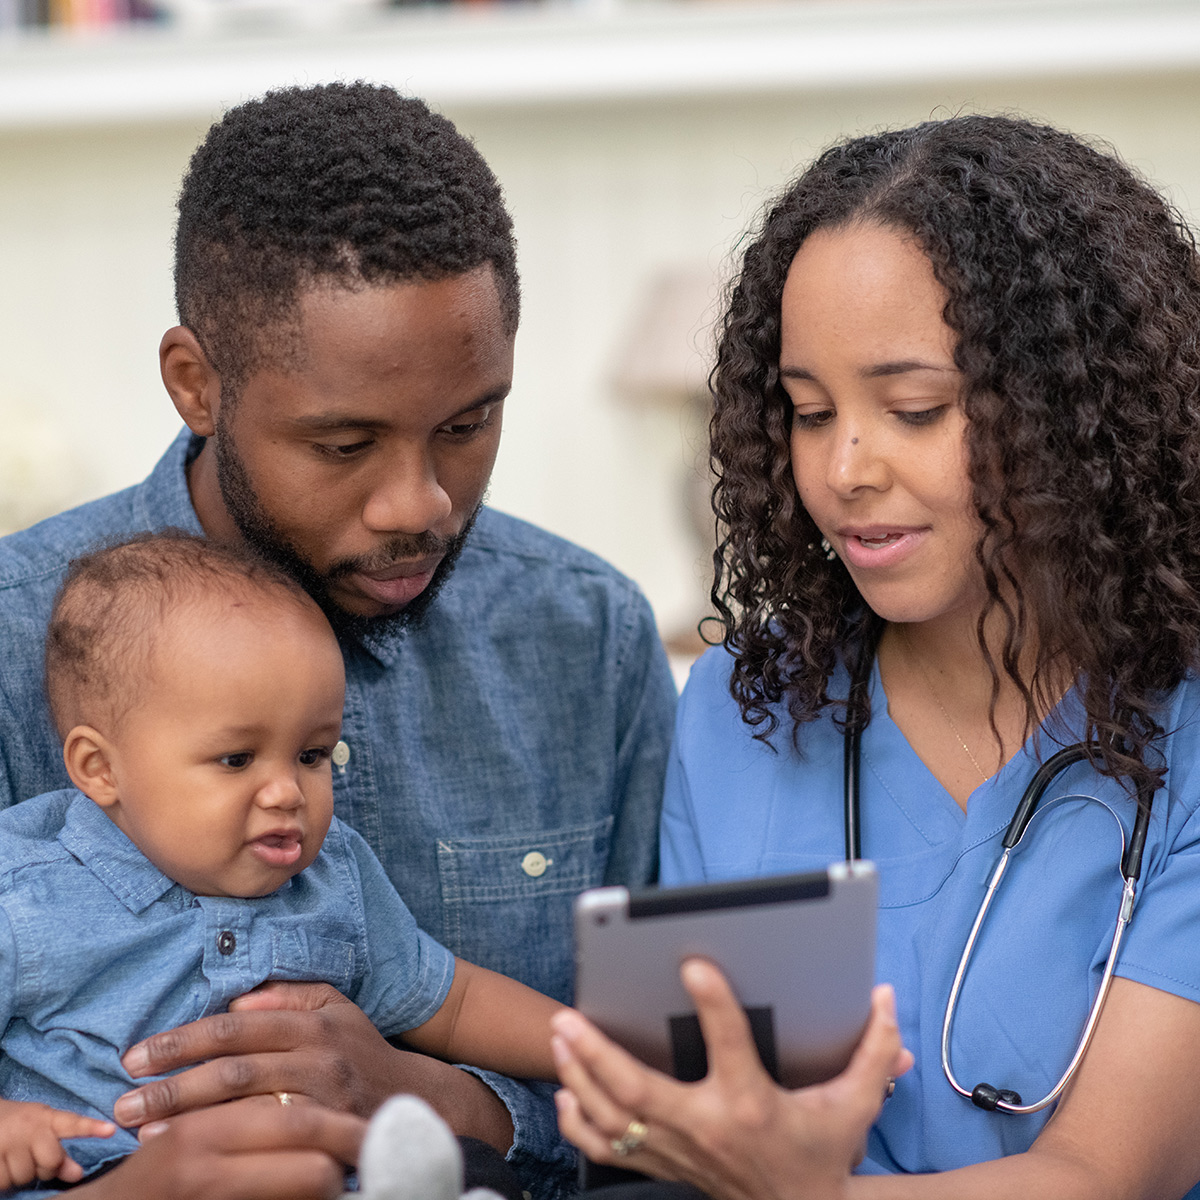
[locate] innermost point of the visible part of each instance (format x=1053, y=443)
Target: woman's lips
x=874, y=548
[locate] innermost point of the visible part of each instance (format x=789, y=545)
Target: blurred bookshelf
x=80, y=62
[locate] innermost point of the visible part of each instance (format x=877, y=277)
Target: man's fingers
x=211, y=1083
x=262, y=1123
x=298, y=997
x=211, y=1037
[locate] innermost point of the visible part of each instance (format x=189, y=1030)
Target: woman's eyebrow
x=904, y=366
x=876, y=371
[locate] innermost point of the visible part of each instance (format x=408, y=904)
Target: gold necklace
x=942, y=709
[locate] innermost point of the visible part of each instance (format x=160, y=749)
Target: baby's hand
x=31, y=1143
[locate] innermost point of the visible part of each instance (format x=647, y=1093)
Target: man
x=348, y=300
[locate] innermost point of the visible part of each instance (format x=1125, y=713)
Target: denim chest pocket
x=299, y=955
x=507, y=899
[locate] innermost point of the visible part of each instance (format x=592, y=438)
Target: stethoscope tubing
x=985, y=1095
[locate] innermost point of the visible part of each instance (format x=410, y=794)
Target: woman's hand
x=736, y=1135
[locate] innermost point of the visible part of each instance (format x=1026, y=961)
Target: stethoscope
x=985, y=1095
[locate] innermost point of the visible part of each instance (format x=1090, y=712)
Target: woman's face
x=878, y=445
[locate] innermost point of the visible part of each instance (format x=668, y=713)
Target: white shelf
x=514, y=55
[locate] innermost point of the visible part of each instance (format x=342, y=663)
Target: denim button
x=341, y=754
x=535, y=863
x=226, y=942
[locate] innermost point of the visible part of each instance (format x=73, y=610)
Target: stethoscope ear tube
x=1041, y=780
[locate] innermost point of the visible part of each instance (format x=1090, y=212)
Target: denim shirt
x=505, y=753
x=99, y=949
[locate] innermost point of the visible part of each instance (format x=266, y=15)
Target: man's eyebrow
x=877, y=371
x=330, y=422
x=333, y=421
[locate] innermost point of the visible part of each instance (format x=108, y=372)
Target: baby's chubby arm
x=31, y=1142
x=488, y=1020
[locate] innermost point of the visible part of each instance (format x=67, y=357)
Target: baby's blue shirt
x=99, y=949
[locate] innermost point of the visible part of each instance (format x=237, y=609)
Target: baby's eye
x=238, y=761
x=314, y=756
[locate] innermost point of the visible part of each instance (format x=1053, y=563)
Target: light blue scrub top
x=734, y=808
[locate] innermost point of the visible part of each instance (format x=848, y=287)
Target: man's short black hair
x=348, y=183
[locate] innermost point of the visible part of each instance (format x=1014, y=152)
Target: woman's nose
x=856, y=461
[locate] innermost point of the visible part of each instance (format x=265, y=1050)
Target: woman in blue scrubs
x=957, y=439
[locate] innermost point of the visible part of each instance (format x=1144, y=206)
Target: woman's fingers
x=879, y=1056
x=611, y=1084
x=732, y=1055
x=578, y=1129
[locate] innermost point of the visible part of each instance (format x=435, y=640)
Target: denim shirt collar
x=163, y=499
x=89, y=835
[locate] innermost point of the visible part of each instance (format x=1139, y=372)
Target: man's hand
x=250, y=1150
x=308, y=1039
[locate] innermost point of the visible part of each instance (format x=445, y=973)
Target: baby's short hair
x=102, y=628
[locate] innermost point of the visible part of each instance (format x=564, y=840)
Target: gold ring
x=630, y=1140
x=284, y=1098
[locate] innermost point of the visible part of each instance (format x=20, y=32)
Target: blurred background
x=636, y=141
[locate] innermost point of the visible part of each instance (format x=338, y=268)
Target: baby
x=199, y=696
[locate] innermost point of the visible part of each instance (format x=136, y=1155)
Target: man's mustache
x=398, y=549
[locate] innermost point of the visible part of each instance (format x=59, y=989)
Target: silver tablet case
x=798, y=949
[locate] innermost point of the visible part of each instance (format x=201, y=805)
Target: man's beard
x=264, y=536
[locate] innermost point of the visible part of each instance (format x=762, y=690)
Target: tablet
x=799, y=951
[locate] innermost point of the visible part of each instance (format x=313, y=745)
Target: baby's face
x=222, y=768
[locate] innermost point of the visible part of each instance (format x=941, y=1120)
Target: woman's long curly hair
x=1074, y=292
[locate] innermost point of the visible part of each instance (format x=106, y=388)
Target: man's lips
x=278, y=849
x=397, y=585
x=875, y=546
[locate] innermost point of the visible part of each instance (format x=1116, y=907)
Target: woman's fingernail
x=152, y=1130
x=567, y=1025
x=560, y=1050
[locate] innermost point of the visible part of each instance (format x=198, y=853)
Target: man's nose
x=407, y=497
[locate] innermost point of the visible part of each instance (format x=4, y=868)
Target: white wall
x=605, y=193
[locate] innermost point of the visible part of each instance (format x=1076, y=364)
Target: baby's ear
x=88, y=756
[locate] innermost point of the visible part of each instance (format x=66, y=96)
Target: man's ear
x=191, y=380
x=88, y=756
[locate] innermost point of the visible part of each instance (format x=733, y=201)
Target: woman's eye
x=238, y=761
x=811, y=419
x=313, y=756
x=921, y=416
